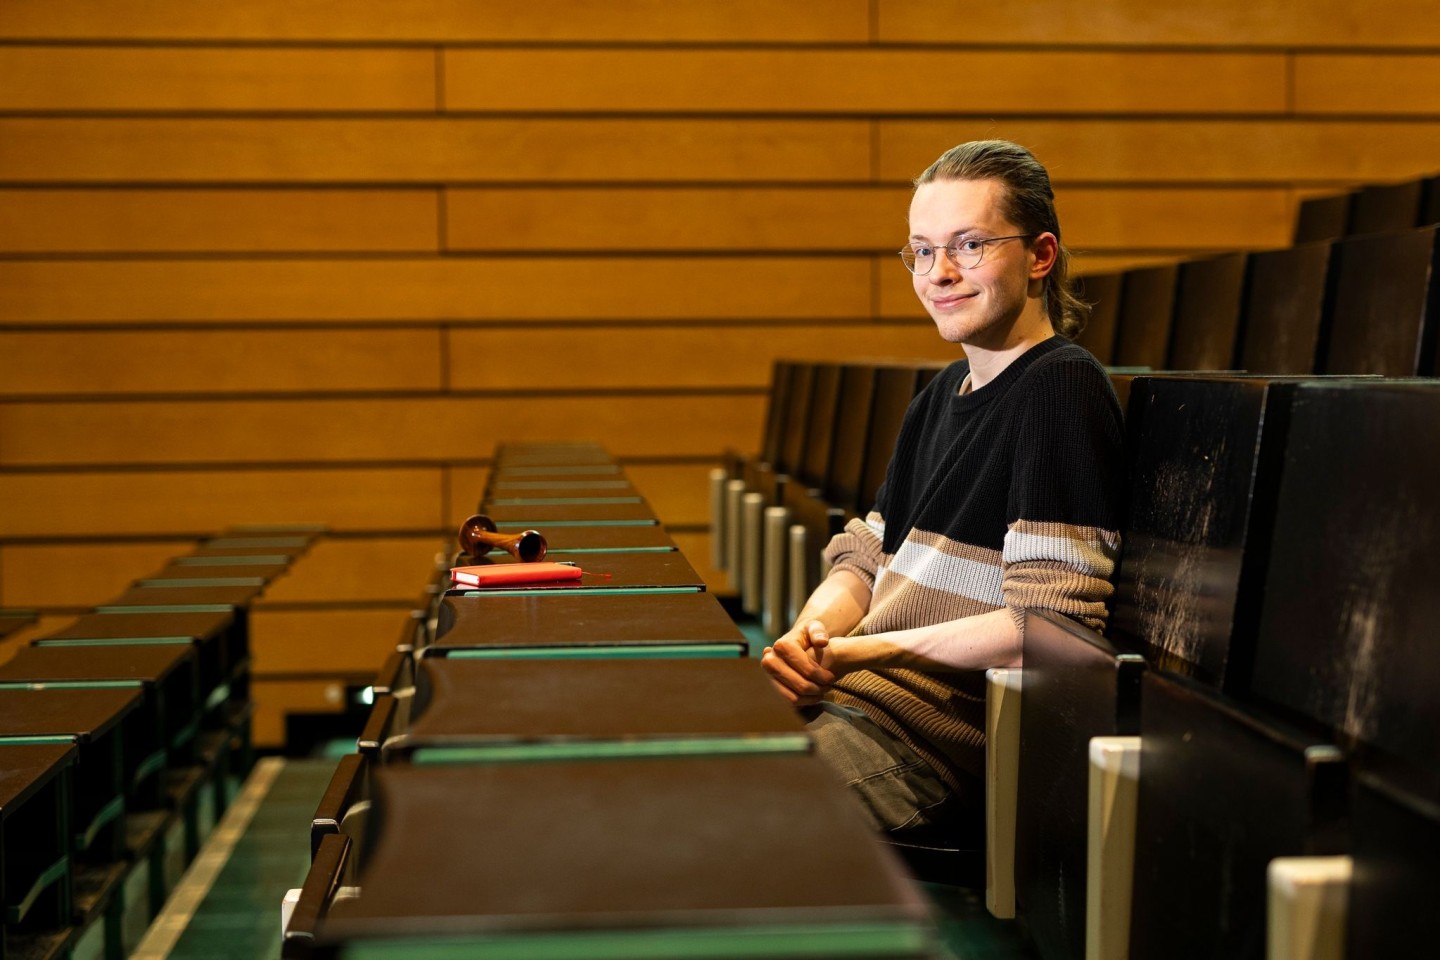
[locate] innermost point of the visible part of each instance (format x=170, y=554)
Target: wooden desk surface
x=198, y=626
x=486, y=703
x=83, y=714
x=259, y=542
x=148, y=663
x=607, y=571
x=617, y=485
x=598, y=539
x=708, y=847
x=559, y=497
x=584, y=471
x=238, y=562
x=550, y=454
x=584, y=620
x=290, y=552
x=222, y=576
x=26, y=767
x=573, y=514
x=139, y=596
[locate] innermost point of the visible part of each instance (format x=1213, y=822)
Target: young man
x=1002, y=494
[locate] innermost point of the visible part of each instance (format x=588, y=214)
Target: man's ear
x=1045, y=250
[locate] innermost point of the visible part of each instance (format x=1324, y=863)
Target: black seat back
x=1347, y=635
x=1286, y=310
x=1102, y=292
x=1323, y=218
x=1147, y=306
x=1383, y=208
x=1202, y=482
x=1387, y=304
x=1208, y=299
x=847, y=455
x=820, y=425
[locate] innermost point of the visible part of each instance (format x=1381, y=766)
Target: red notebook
x=488, y=575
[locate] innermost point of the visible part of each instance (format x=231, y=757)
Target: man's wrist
x=847, y=654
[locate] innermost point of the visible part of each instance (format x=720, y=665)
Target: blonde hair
x=1030, y=205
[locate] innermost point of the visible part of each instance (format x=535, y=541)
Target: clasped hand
x=801, y=663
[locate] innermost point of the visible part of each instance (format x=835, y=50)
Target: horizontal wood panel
x=1084, y=263
x=1397, y=23
x=217, y=361
x=392, y=430
x=576, y=289
x=1229, y=23
x=1194, y=151
x=679, y=493
x=71, y=575
x=223, y=221
x=323, y=640
x=429, y=150
x=56, y=78
x=670, y=218
x=276, y=699
x=711, y=356
x=584, y=150
x=1094, y=219
x=199, y=502
x=359, y=569
x=863, y=81
x=838, y=219
x=1368, y=84
x=451, y=21
x=463, y=486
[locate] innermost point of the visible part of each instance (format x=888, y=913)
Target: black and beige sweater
x=1008, y=496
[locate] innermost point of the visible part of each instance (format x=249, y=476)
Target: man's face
x=976, y=306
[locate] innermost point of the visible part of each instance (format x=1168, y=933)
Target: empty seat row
x=119, y=737
x=1375, y=208
x=1361, y=305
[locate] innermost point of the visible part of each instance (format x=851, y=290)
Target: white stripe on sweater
x=931, y=568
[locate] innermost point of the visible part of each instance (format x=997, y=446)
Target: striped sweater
x=1007, y=496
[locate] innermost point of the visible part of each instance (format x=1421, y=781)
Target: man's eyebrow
x=958, y=233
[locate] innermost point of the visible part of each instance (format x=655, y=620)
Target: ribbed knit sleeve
x=1063, y=512
x=857, y=548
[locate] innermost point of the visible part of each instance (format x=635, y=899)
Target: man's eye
x=969, y=246
x=922, y=250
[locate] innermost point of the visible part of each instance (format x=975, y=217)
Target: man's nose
x=944, y=271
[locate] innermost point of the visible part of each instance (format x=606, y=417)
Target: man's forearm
x=971, y=643
x=840, y=602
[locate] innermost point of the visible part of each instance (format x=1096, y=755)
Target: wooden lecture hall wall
x=309, y=260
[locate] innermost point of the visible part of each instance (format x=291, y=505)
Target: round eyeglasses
x=965, y=252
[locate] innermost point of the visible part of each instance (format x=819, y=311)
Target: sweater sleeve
x=858, y=548
x=1063, y=538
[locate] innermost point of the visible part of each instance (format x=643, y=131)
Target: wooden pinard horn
x=478, y=536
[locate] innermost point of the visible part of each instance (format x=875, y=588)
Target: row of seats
x=1266, y=689
x=827, y=439
x=1374, y=208
x=120, y=735
x=1354, y=294
x=1246, y=764
x=588, y=767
